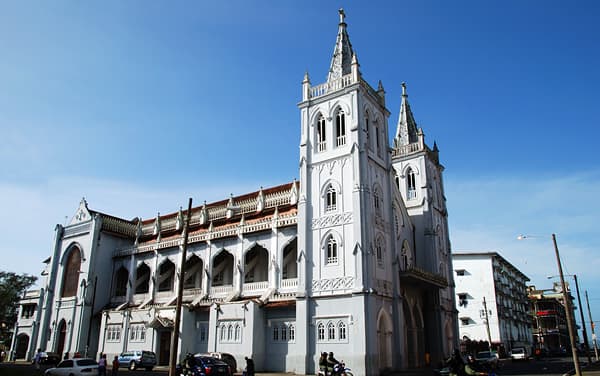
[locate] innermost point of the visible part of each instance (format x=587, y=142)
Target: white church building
x=353, y=257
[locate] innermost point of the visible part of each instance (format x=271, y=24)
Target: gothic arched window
x=340, y=128
x=411, y=184
x=321, y=331
x=71, y=273
x=379, y=251
x=321, y=138
x=341, y=330
x=377, y=201
x=330, y=199
x=332, y=251
x=330, y=331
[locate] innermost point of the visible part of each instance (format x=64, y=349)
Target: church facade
x=353, y=258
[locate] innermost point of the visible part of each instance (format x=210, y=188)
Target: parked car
x=226, y=357
x=519, y=353
x=74, y=367
x=487, y=359
x=137, y=359
x=199, y=365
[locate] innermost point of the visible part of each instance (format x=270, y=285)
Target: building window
x=465, y=321
x=28, y=311
x=121, y=283
x=341, y=330
x=330, y=331
x=321, y=331
x=377, y=201
x=368, y=131
x=330, y=199
x=292, y=332
x=238, y=333
x=462, y=300
x=137, y=333
x=377, y=139
x=230, y=332
x=275, y=332
x=223, y=332
x=411, y=184
x=113, y=333
x=332, y=251
x=71, y=273
x=460, y=272
x=283, y=332
x=379, y=252
x=321, y=139
x=340, y=128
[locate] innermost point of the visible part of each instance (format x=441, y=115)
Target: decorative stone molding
x=332, y=220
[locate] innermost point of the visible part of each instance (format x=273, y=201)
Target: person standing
x=249, y=366
x=102, y=365
x=37, y=359
x=115, y=366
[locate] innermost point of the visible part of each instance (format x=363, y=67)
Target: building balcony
x=417, y=276
x=254, y=288
x=220, y=291
x=288, y=284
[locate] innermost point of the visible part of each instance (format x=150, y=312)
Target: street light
x=584, y=330
x=567, y=301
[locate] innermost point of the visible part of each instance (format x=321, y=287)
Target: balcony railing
x=332, y=86
x=290, y=283
x=255, y=287
x=221, y=290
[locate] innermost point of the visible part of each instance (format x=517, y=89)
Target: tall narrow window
x=377, y=201
x=368, y=131
x=121, y=283
x=321, y=331
x=330, y=331
x=283, y=332
x=341, y=331
x=292, y=332
x=377, y=140
x=332, y=251
x=71, y=273
x=331, y=199
x=230, y=332
x=275, y=333
x=411, y=184
x=321, y=139
x=340, y=128
x=379, y=252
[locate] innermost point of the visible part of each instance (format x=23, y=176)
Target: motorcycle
x=339, y=369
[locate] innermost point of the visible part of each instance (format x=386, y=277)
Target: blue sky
x=139, y=105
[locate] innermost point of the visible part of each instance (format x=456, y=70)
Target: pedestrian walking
x=102, y=365
x=37, y=359
x=115, y=366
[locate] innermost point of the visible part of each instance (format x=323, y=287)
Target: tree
x=12, y=287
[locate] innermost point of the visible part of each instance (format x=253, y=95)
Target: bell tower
x=344, y=224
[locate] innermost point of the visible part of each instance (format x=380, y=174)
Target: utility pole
x=176, y=324
x=592, y=324
x=487, y=324
x=584, y=330
x=568, y=309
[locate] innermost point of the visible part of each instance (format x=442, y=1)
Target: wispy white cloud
x=487, y=214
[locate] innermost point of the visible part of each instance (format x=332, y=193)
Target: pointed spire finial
x=404, y=89
x=342, y=52
x=342, y=15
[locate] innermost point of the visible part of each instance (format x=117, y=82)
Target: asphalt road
x=548, y=367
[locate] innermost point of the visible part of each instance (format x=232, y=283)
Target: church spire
x=407, y=132
x=341, y=62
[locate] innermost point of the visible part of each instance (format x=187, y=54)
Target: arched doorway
x=22, y=346
x=384, y=341
x=62, y=334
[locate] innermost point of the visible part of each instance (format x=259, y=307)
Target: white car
x=519, y=353
x=75, y=367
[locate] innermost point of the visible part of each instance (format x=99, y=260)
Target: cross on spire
x=342, y=15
